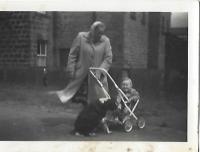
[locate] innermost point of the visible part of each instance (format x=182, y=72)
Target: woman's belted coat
x=84, y=54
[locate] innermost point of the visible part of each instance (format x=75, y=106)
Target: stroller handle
x=106, y=72
x=116, y=86
x=104, y=90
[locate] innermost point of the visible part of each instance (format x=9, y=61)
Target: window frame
x=39, y=48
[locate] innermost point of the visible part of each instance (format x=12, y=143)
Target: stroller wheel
x=141, y=122
x=128, y=125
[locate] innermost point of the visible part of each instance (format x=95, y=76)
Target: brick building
x=132, y=35
x=137, y=39
x=24, y=38
x=33, y=40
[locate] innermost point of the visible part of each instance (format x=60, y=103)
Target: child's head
x=126, y=84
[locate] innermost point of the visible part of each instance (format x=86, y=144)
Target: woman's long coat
x=84, y=54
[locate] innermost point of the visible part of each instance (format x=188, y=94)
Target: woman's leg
x=95, y=91
x=81, y=95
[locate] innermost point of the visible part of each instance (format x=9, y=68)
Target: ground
x=27, y=112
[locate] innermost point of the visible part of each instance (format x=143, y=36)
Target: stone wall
x=135, y=40
x=164, y=28
x=41, y=29
x=114, y=30
x=14, y=40
x=158, y=27
x=131, y=40
x=66, y=27
x=68, y=24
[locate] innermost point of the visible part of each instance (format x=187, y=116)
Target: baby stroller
x=130, y=118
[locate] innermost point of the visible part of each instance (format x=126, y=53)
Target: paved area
x=29, y=114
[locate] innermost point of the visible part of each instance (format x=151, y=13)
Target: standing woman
x=89, y=49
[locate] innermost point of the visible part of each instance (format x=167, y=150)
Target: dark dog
x=91, y=116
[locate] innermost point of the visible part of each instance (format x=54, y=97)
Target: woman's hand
x=98, y=74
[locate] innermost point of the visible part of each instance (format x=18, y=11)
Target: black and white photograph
x=95, y=76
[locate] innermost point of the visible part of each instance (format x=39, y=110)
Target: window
x=42, y=48
x=143, y=19
x=133, y=15
x=64, y=53
x=41, y=53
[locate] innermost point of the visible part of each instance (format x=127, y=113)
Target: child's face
x=126, y=85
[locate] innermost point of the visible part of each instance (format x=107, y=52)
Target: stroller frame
x=122, y=94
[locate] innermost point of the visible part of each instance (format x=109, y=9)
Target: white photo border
x=190, y=6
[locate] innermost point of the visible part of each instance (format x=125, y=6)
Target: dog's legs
x=105, y=125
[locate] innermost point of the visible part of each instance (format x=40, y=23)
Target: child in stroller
x=127, y=101
x=121, y=114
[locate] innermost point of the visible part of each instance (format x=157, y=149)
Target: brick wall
x=68, y=24
x=41, y=29
x=154, y=39
x=135, y=41
x=129, y=39
x=66, y=27
x=14, y=39
x=114, y=30
x=164, y=28
x=158, y=26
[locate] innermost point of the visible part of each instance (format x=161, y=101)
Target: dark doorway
x=63, y=56
x=176, y=65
